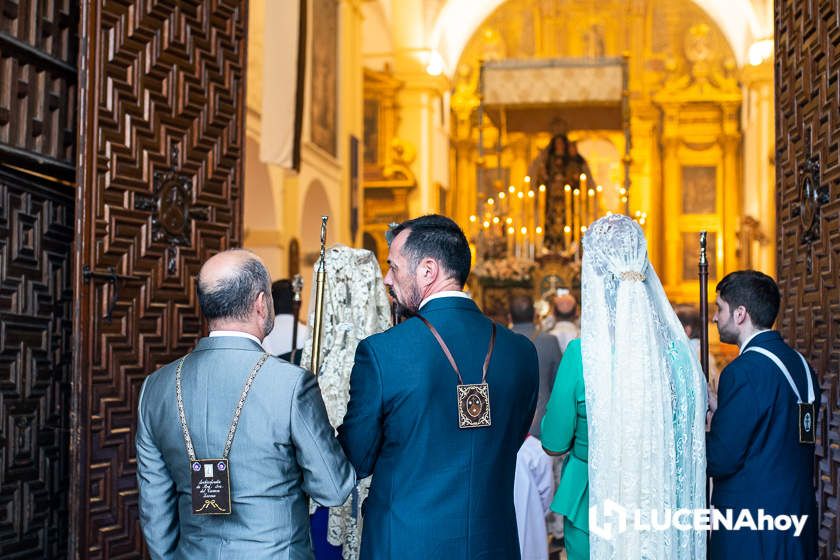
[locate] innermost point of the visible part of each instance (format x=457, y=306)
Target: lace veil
x=645, y=397
x=355, y=307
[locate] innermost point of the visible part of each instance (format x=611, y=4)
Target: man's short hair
x=757, y=292
x=281, y=293
x=689, y=316
x=233, y=296
x=437, y=237
x=522, y=308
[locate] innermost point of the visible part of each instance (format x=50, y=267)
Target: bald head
x=233, y=288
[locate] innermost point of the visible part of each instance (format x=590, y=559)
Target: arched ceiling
x=741, y=21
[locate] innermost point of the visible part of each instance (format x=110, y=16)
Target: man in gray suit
x=282, y=448
x=548, y=352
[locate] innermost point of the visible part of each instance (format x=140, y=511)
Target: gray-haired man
x=229, y=439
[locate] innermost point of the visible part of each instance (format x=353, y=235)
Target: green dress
x=564, y=429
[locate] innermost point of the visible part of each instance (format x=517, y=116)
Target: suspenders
x=807, y=410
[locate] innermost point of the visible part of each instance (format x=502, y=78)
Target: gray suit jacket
x=548, y=355
x=284, y=448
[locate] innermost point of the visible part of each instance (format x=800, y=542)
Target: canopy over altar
x=526, y=232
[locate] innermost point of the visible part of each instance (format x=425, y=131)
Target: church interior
x=685, y=144
x=138, y=138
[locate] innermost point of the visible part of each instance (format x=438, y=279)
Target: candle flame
x=567, y=229
x=510, y=230
x=567, y=188
x=473, y=218
x=502, y=194
x=524, y=230
x=530, y=194
x=527, y=179
x=583, y=176
x=539, y=230
x=542, y=188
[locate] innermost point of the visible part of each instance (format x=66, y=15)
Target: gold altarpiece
x=686, y=155
x=387, y=179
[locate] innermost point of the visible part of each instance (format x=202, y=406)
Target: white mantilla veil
x=645, y=399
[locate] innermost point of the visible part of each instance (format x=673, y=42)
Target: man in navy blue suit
x=759, y=448
x=439, y=406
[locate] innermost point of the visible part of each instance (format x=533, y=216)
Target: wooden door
x=37, y=114
x=808, y=214
x=161, y=124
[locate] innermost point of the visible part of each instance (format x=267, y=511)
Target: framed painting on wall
x=323, y=106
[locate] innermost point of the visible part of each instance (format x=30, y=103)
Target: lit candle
x=567, y=235
x=590, y=206
x=509, y=239
x=598, y=195
x=541, y=206
x=532, y=222
x=524, y=250
x=575, y=213
x=567, y=198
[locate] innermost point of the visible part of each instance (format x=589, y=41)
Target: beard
x=409, y=305
x=268, y=324
x=727, y=334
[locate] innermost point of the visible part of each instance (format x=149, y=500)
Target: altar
x=526, y=231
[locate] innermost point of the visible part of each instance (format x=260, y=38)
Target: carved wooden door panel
x=38, y=44
x=161, y=126
x=808, y=214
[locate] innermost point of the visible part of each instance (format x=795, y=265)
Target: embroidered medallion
x=474, y=406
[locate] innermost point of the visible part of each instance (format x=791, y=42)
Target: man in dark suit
x=548, y=351
x=439, y=490
x=755, y=450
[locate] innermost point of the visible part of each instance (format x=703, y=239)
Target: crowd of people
x=448, y=435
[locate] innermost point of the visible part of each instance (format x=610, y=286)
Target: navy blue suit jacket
x=439, y=491
x=755, y=457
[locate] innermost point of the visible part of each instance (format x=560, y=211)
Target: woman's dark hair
x=439, y=238
x=281, y=293
x=689, y=316
x=232, y=297
x=756, y=291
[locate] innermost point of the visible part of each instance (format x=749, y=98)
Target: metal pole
x=703, y=273
x=297, y=288
x=320, y=281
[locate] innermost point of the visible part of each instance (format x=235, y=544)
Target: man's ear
x=261, y=304
x=428, y=271
x=740, y=314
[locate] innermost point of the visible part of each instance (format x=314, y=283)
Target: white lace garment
x=355, y=307
x=645, y=397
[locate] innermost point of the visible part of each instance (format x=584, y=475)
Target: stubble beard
x=411, y=305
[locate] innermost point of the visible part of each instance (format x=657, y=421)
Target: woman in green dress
x=564, y=430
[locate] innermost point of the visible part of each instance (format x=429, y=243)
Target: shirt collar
x=447, y=293
x=240, y=334
x=755, y=334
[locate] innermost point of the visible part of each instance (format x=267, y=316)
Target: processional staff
x=704, y=306
x=320, y=281
x=297, y=288
x=703, y=272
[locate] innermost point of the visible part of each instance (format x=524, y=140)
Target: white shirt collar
x=755, y=334
x=240, y=334
x=448, y=293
